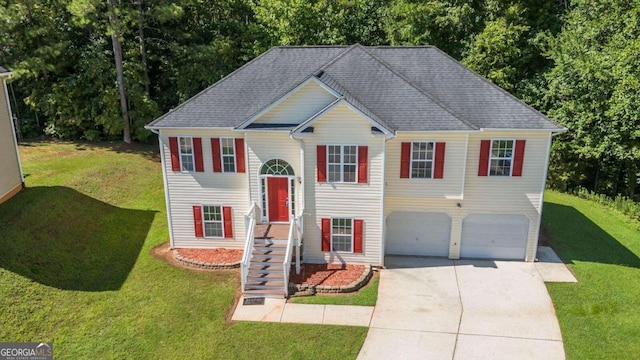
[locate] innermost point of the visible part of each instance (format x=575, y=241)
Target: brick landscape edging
x=202, y=264
x=328, y=289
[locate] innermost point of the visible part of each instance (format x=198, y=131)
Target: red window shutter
x=175, y=155
x=197, y=220
x=438, y=171
x=322, y=163
x=227, y=220
x=215, y=153
x=363, y=160
x=483, y=165
x=358, y=226
x=197, y=154
x=240, y=155
x=326, y=235
x=405, y=160
x=518, y=158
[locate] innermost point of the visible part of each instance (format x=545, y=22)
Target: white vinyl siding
x=451, y=188
x=299, y=106
x=501, y=157
x=228, y=153
x=422, y=154
x=10, y=177
x=187, y=163
x=343, y=126
x=204, y=188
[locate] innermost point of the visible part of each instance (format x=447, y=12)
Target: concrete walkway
x=432, y=308
x=465, y=309
x=278, y=310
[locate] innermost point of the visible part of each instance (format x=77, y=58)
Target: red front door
x=278, y=189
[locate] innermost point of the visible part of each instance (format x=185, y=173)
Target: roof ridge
x=336, y=58
x=210, y=87
x=422, y=91
x=505, y=92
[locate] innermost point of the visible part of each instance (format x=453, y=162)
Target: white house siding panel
x=508, y=195
x=204, y=188
x=264, y=146
x=449, y=187
x=342, y=126
x=10, y=177
x=298, y=107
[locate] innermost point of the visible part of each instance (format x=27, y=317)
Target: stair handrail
x=286, y=265
x=249, y=224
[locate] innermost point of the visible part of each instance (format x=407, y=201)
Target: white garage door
x=418, y=233
x=494, y=236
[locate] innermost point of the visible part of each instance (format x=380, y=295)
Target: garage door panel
x=418, y=233
x=494, y=236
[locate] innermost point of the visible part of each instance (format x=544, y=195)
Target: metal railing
x=249, y=226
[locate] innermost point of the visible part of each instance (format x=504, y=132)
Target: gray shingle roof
x=403, y=88
x=3, y=70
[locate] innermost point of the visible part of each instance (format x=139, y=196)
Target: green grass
x=367, y=296
x=600, y=315
x=76, y=269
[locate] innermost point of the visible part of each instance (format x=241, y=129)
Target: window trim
x=222, y=155
x=180, y=154
x=433, y=160
x=342, y=164
x=352, y=235
x=204, y=222
x=511, y=158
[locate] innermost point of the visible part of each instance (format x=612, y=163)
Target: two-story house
x=379, y=150
x=11, y=179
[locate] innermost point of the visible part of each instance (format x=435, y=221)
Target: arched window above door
x=276, y=167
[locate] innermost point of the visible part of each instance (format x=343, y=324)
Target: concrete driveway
x=465, y=309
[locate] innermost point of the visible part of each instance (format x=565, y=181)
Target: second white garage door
x=494, y=236
x=418, y=233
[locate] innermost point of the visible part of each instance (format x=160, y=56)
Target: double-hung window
x=186, y=154
x=422, y=160
x=212, y=219
x=501, y=157
x=342, y=163
x=228, y=154
x=342, y=235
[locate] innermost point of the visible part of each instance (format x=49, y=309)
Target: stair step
x=260, y=279
x=276, y=253
x=264, y=287
x=272, y=242
x=265, y=275
x=275, y=284
x=264, y=293
x=269, y=256
x=270, y=247
x=265, y=269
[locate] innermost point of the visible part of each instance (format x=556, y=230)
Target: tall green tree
x=594, y=90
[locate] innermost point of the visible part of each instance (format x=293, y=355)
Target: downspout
x=302, y=201
x=383, y=232
x=167, y=198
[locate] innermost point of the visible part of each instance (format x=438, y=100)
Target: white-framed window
x=501, y=157
x=342, y=235
x=342, y=163
x=186, y=154
x=212, y=220
x=422, y=154
x=228, y=152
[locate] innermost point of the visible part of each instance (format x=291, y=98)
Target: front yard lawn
x=600, y=315
x=76, y=269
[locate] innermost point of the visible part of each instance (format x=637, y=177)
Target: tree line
x=88, y=69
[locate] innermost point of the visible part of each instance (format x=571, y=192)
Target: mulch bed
x=211, y=256
x=327, y=274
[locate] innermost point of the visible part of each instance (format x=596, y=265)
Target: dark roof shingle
x=403, y=88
